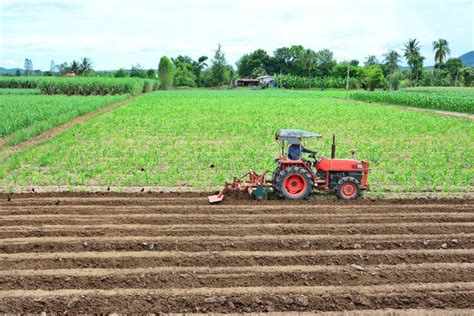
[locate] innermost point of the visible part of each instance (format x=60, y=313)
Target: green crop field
x=446, y=99
x=25, y=113
x=199, y=138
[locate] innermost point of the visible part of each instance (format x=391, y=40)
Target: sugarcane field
x=244, y=158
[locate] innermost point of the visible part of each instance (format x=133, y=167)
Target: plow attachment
x=253, y=183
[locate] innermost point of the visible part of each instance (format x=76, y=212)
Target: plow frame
x=249, y=182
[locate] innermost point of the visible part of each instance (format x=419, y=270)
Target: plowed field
x=167, y=253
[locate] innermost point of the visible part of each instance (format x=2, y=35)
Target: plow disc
x=254, y=184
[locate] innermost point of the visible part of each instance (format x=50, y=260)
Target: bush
x=184, y=78
x=394, y=80
x=166, y=72
x=373, y=77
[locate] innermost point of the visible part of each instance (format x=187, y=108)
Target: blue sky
x=120, y=33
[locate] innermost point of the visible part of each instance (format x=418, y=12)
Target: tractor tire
x=274, y=177
x=293, y=183
x=348, y=188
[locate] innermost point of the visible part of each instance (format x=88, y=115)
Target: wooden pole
x=347, y=80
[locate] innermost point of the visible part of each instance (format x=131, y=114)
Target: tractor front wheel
x=348, y=188
x=293, y=183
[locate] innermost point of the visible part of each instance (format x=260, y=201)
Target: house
x=262, y=81
x=245, y=82
x=267, y=81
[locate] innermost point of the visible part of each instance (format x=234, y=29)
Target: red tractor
x=295, y=179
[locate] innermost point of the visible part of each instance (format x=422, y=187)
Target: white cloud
x=120, y=33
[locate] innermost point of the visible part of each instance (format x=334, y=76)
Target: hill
x=468, y=58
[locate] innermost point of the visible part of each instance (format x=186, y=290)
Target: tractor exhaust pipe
x=333, y=147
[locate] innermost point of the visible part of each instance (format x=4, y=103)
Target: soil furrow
x=60, y=207
x=232, y=230
x=142, y=259
x=235, y=216
x=222, y=243
x=195, y=277
x=283, y=220
x=262, y=298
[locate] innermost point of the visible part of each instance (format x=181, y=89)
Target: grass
x=200, y=138
x=446, y=99
x=26, y=114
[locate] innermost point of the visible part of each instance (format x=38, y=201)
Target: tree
x=257, y=62
x=18, y=73
x=218, y=67
x=392, y=58
x=74, y=67
x=120, y=73
x=63, y=68
x=28, y=67
x=394, y=80
x=325, y=62
x=453, y=66
x=308, y=61
x=371, y=60
x=151, y=73
x=184, y=77
x=52, y=67
x=373, y=77
x=166, y=71
x=196, y=67
x=442, y=50
x=137, y=71
x=414, y=59
x=340, y=69
x=85, y=67
x=286, y=59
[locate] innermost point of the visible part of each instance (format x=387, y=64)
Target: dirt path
x=83, y=253
x=7, y=150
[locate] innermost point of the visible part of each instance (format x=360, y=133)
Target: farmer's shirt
x=295, y=150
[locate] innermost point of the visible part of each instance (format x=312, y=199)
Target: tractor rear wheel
x=348, y=188
x=293, y=183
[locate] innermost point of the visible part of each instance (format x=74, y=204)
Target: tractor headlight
x=359, y=166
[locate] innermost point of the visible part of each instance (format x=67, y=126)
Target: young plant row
x=81, y=86
x=454, y=101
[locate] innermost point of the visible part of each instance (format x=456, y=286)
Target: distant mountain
x=468, y=58
x=10, y=71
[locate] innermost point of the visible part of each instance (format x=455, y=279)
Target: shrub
x=184, y=78
x=166, y=72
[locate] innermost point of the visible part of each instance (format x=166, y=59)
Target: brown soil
x=174, y=253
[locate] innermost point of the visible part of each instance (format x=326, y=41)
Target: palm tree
x=442, y=50
x=392, y=58
x=371, y=60
x=85, y=68
x=74, y=67
x=414, y=59
x=308, y=60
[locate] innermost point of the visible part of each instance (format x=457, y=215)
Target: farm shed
x=267, y=81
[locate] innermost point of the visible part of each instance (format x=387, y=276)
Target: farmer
x=295, y=150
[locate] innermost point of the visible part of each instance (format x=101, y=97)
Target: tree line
x=296, y=67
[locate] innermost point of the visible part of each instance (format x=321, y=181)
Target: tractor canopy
x=293, y=136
